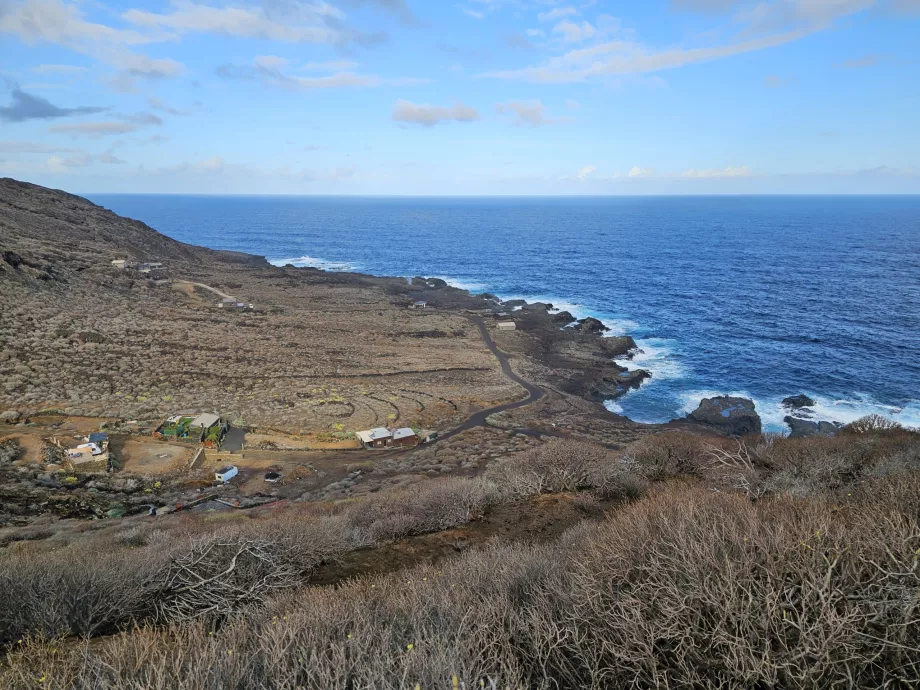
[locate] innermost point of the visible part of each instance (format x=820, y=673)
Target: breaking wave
x=314, y=262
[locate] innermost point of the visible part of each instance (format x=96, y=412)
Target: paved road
x=479, y=418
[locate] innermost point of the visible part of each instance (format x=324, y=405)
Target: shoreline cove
x=661, y=359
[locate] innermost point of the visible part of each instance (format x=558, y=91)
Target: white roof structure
x=374, y=435
x=205, y=421
x=405, y=432
x=507, y=326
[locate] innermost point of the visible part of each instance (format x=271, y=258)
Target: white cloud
x=95, y=129
x=535, y=33
x=636, y=171
x=157, y=104
x=59, y=69
x=586, y=172
x=475, y=14
x=59, y=23
x=430, y=115
x=693, y=173
x=529, y=113
x=329, y=66
x=304, y=25
x=557, y=13
x=30, y=147
x=615, y=51
x=626, y=57
x=573, y=32
x=268, y=70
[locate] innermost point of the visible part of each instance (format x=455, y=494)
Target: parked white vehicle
x=226, y=474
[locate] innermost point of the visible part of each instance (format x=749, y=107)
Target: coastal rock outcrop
x=591, y=325
x=564, y=318
x=794, y=402
x=734, y=416
x=800, y=428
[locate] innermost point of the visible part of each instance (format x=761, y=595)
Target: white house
x=227, y=473
x=507, y=326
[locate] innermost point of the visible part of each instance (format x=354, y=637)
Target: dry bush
x=566, y=466
x=220, y=575
x=70, y=593
x=9, y=450
x=871, y=423
x=417, y=509
x=684, y=588
x=666, y=455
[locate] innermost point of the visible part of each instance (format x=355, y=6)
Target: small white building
x=507, y=326
x=375, y=438
x=225, y=474
x=204, y=421
x=120, y=263
x=421, y=304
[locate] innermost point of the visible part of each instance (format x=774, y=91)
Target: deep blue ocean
x=759, y=296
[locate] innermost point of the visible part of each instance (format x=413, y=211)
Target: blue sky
x=467, y=97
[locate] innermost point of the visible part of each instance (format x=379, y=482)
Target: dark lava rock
x=591, y=325
x=563, y=317
x=618, y=346
x=537, y=306
x=794, y=402
x=800, y=428
x=735, y=416
x=511, y=303
x=437, y=283
x=419, y=281
x=489, y=296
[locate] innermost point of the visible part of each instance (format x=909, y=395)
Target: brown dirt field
x=142, y=456
x=31, y=446
x=285, y=441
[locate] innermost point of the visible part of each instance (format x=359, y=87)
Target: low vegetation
x=766, y=563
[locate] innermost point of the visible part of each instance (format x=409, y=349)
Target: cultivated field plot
x=144, y=456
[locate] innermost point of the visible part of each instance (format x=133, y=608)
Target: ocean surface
x=757, y=296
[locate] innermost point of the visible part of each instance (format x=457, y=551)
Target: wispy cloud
x=61, y=23
x=529, y=113
x=430, y=115
x=272, y=70
x=614, y=51
x=96, y=129
x=869, y=60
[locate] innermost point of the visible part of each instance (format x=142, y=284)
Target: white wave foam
x=314, y=262
x=463, y=284
x=614, y=407
x=657, y=356
x=827, y=409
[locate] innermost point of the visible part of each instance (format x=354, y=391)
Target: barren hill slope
x=317, y=352
x=55, y=232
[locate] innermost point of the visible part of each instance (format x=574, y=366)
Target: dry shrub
x=70, y=593
x=417, y=509
x=685, y=588
x=671, y=454
x=562, y=465
x=871, y=423
x=220, y=575
x=9, y=450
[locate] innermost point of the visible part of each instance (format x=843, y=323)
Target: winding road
x=534, y=393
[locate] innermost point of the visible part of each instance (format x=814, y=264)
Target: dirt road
x=534, y=393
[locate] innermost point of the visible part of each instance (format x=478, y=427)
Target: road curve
x=534, y=393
